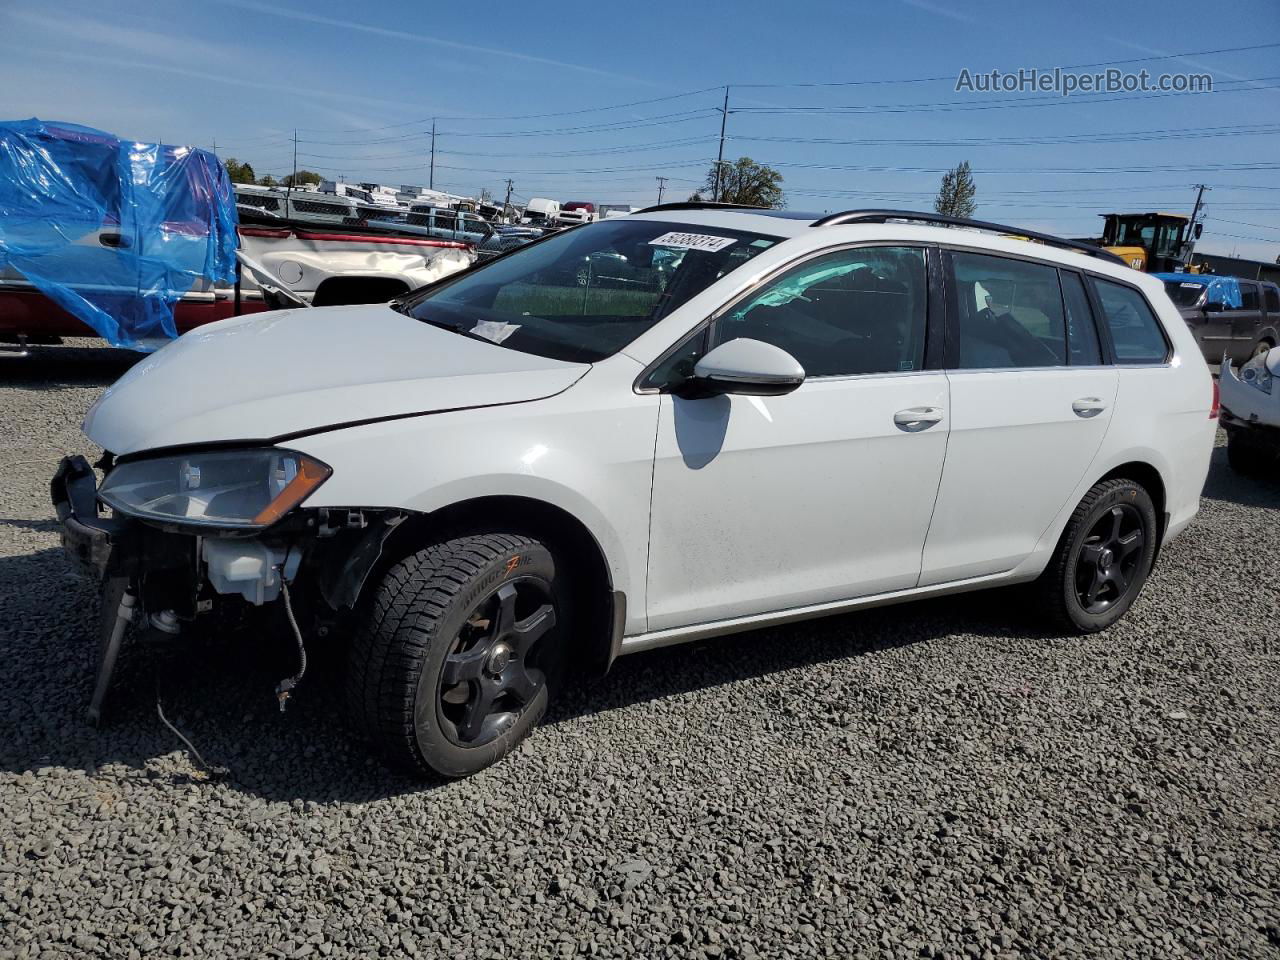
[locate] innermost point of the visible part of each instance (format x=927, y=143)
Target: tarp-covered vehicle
x=110, y=233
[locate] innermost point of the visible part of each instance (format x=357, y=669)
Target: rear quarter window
x=1136, y=334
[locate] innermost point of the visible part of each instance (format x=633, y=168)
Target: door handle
x=915, y=419
x=1088, y=406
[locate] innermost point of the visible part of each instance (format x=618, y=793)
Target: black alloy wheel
x=489, y=678
x=1103, y=558
x=1109, y=558
x=458, y=651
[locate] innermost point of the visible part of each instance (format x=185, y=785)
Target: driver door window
x=856, y=311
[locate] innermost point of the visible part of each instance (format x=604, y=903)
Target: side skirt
x=716, y=628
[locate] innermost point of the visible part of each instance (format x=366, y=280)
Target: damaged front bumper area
x=165, y=576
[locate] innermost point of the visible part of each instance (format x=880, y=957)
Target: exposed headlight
x=1256, y=374
x=217, y=488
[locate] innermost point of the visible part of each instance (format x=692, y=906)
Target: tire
x=458, y=652
x=1260, y=349
x=1244, y=455
x=1098, y=569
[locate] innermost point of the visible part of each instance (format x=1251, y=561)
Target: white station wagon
x=690, y=421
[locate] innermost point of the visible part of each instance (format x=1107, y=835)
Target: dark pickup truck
x=1228, y=315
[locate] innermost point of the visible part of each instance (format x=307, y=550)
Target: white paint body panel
x=304, y=264
x=588, y=451
x=761, y=503
x=1016, y=454
x=1248, y=402
x=805, y=504
x=271, y=374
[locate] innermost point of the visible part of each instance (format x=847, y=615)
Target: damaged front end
x=197, y=534
x=1251, y=412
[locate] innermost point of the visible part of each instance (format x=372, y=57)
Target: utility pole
x=724, y=117
x=431, y=184
x=662, y=185
x=1190, y=243
x=506, y=204
x=292, y=176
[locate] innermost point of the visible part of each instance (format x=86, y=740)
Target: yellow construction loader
x=1151, y=242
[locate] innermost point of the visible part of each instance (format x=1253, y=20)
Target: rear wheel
x=1260, y=348
x=456, y=658
x=1103, y=558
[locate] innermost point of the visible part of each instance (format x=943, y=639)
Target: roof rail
x=701, y=205
x=941, y=219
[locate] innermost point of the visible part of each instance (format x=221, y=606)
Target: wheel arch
x=602, y=608
x=1149, y=478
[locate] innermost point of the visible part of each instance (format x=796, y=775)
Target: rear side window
x=1082, y=335
x=1248, y=295
x=1273, y=299
x=1135, y=331
x=1010, y=313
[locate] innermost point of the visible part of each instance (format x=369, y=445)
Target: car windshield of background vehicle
x=584, y=294
x=1184, y=294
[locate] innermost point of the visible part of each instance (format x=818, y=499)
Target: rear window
x=1010, y=313
x=1184, y=293
x=1135, y=331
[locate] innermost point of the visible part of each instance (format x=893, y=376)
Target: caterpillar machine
x=1151, y=242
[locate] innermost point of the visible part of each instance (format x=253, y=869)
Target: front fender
x=592, y=460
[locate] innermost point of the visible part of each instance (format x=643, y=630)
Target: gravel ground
x=936, y=780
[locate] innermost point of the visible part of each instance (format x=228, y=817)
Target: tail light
x=1216, y=405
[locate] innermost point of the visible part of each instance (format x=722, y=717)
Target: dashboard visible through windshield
x=584, y=294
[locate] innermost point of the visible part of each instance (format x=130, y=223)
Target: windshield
x=1184, y=294
x=584, y=294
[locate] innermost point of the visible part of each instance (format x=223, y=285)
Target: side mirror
x=1199, y=230
x=747, y=367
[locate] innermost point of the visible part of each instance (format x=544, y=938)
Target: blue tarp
x=113, y=231
x=1221, y=289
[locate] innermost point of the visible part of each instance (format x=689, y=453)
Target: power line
x=1005, y=103
x=526, y=116
x=1186, y=133
x=631, y=148
x=659, y=120
x=1077, y=66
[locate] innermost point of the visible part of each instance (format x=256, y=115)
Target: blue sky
x=360, y=83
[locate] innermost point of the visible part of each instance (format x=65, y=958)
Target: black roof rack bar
x=701, y=205
x=941, y=219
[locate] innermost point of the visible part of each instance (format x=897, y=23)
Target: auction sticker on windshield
x=693, y=241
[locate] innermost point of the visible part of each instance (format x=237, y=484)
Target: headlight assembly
x=217, y=488
x=1256, y=374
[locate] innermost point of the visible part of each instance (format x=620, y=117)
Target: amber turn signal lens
x=311, y=474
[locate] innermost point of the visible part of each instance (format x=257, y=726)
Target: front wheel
x=1103, y=558
x=456, y=657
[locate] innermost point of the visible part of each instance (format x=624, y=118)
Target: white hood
x=271, y=375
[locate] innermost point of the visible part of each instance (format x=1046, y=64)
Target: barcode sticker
x=693, y=241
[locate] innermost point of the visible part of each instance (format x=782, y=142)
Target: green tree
x=955, y=196
x=268, y=181
x=239, y=172
x=744, y=181
x=299, y=177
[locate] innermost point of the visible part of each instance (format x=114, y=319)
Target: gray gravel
x=938, y=780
